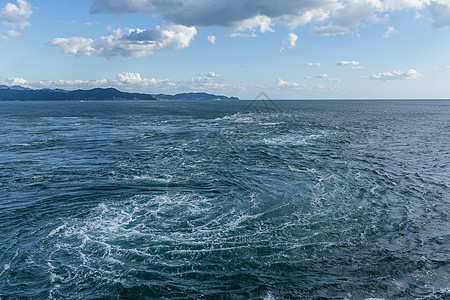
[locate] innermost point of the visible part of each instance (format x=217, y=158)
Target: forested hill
x=27, y=94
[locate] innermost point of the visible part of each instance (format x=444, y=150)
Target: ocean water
x=225, y=200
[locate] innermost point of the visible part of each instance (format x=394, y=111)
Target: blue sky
x=289, y=49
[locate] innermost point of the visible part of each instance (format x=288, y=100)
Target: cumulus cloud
x=212, y=39
x=312, y=64
x=16, y=81
x=389, y=32
x=289, y=42
x=132, y=43
x=15, y=16
x=285, y=84
x=344, y=63
x=352, y=64
x=397, y=75
x=129, y=78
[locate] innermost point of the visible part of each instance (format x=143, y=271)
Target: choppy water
x=225, y=200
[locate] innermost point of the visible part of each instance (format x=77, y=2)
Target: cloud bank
x=336, y=16
x=209, y=82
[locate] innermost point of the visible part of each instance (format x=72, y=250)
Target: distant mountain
x=193, y=96
x=22, y=93
x=16, y=93
x=14, y=88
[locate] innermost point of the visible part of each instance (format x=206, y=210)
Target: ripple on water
x=324, y=200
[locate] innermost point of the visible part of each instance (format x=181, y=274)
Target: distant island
x=13, y=93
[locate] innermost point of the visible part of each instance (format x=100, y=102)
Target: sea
x=225, y=200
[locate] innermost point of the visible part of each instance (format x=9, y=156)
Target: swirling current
x=225, y=200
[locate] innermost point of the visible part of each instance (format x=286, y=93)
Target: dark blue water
x=225, y=200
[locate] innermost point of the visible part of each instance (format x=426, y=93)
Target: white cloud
x=133, y=43
x=15, y=16
x=16, y=81
x=397, y=75
x=212, y=39
x=72, y=84
x=345, y=63
x=129, y=78
x=312, y=64
x=389, y=32
x=285, y=84
x=134, y=80
x=290, y=41
x=126, y=80
x=75, y=45
x=208, y=82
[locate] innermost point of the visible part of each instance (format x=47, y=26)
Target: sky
x=289, y=49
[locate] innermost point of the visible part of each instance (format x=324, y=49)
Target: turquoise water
x=225, y=200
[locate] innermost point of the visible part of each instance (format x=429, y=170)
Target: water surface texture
x=225, y=200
